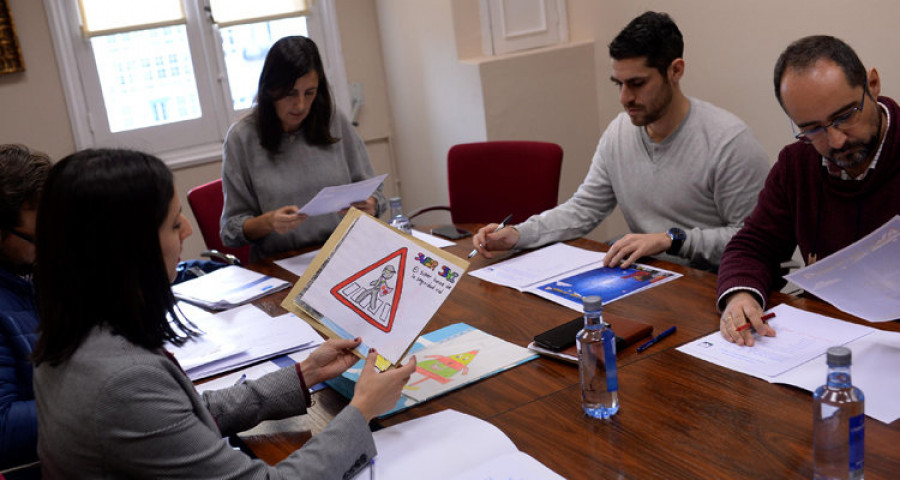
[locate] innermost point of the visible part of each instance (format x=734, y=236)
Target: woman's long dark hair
x=99, y=261
x=289, y=59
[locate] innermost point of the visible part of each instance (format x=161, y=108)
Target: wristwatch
x=677, y=235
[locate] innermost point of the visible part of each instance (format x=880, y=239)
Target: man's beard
x=853, y=154
x=654, y=112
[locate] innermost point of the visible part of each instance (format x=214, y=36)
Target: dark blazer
x=18, y=417
x=118, y=410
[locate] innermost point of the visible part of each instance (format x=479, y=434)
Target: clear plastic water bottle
x=398, y=219
x=597, y=362
x=838, y=422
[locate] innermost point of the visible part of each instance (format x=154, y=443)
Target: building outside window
x=170, y=76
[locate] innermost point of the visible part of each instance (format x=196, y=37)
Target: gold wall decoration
x=10, y=53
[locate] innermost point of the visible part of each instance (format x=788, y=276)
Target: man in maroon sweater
x=837, y=183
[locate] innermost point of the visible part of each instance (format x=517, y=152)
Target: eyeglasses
x=23, y=236
x=841, y=122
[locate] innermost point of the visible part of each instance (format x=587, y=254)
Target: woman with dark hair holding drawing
x=111, y=402
x=292, y=144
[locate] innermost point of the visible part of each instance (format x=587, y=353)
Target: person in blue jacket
x=22, y=175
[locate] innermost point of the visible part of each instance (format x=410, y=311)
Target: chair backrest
x=207, y=202
x=490, y=180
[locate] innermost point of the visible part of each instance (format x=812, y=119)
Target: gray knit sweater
x=703, y=178
x=256, y=182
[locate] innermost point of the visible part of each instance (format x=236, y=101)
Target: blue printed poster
x=610, y=283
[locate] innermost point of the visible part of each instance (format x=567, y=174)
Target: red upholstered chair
x=207, y=202
x=489, y=180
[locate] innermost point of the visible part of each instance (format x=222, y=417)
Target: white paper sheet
x=433, y=240
x=862, y=279
x=335, y=198
x=514, y=466
x=449, y=445
x=210, y=348
x=526, y=270
x=298, y=264
x=796, y=356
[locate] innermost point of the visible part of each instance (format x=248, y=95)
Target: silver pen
x=499, y=227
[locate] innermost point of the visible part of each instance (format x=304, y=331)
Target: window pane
x=245, y=48
x=146, y=77
x=228, y=11
x=100, y=15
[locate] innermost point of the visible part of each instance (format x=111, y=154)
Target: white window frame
x=186, y=143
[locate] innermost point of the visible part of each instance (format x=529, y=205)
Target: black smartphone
x=560, y=337
x=450, y=232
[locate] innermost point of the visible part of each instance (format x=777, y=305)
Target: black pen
x=499, y=227
x=657, y=338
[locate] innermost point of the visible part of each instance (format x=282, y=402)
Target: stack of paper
x=239, y=337
x=227, y=287
x=256, y=371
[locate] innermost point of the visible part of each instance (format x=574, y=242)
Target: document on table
x=338, y=197
x=796, y=356
x=451, y=445
x=565, y=274
x=861, y=279
x=298, y=264
x=239, y=337
x=253, y=372
x=227, y=287
x=431, y=239
x=531, y=268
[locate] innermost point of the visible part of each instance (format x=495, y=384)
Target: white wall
x=436, y=101
x=32, y=104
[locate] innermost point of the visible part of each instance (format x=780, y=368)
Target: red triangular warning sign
x=374, y=292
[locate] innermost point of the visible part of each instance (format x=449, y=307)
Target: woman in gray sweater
x=111, y=402
x=284, y=152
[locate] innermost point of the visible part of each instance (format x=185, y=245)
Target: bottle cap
x=592, y=303
x=838, y=356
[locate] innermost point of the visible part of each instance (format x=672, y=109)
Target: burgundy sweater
x=801, y=204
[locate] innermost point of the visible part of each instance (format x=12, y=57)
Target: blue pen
x=241, y=380
x=657, y=338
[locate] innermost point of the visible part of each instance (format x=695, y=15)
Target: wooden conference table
x=681, y=417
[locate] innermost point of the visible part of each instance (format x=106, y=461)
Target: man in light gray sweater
x=685, y=172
